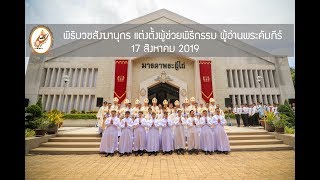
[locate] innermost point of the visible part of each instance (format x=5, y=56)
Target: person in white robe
x=193, y=138
x=222, y=144
x=166, y=134
x=109, y=139
x=207, y=141
x=103, y=110
x=139, y=134
x=125, y=141
x=179, y=134
x=153, y=135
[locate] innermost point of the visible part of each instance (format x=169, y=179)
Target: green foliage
x=73, y=111
x=230, y=115
x=288, y=130
x=80, y=116
x=91, y=112
x=29, y=133
x=35, y=110
x=54, y=116
x=270, y=117
x=293, y=76
x=41, y=122
x=39, y=103
x=83, y=112
x=282, y=122
x=287, y=110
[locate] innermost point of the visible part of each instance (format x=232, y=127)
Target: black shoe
x=149, y=154
x=218, y=152
x=155, y=153
x=206, y=152
x=190, y=151
x=163, y=153
x=121, y=154
x=107, y=155
x=197, y=152
x=111, y=154
x=226, y=152
x=182, y=151
x=211, y=152
x=128, y=154
x=141, y=154
x=178, y=152
x=170, y=152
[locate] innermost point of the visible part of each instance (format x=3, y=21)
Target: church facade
x=92, y=80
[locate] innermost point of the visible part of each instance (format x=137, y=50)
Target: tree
x=293, y=75
x=39, y=103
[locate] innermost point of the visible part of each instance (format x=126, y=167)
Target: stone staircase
x=89, y=143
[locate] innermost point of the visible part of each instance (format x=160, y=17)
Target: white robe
x=166, y=135
x=193, y=133
x=207, y=139
x=125, y=141
x=153, y=135
x=139, y=134
x=179, y=134
x=109, y=139
x=221, y=137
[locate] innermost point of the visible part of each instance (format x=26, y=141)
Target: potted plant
x=55, y=119
x=280, y=123
x=270, y=117
x=41, y=126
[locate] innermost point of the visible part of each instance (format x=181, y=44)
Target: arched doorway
x=163, y=91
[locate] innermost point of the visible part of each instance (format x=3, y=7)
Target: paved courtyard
x=236, y=165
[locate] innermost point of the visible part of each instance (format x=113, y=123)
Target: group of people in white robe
x=154, y=129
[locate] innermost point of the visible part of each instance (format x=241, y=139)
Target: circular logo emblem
x=40, y=39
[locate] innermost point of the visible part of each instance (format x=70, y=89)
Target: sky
x=120, y=11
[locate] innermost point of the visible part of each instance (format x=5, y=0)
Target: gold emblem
x=40, y=39
x=120, y=78
x=206, y=78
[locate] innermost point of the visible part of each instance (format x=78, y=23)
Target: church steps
x=89, y=143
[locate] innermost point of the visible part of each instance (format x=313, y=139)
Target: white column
x=271, y=78
x=65, y=105
x=231, y=78
x=77, y=103
x=92, y=77
x=197, y=91
x=239, y=99
x=56, y=84
x=255, y=99
x=246, y=77
x=245, y=101
x=89, y=103
x=53, y=102
x=70, y=77
x=52, y=77
x=262, y=81
x=47, y=103
x=86, y=78
x=80, y=77
x=71, y=102
x=233, y=101
x=75, y=76
x=241, y=78
x=63, y=73
x=255, y=78
x=59, y=102
x=236, y=77
x=249, y=99
x=129, y=80
x=47, y=81
x=270, y=99
x=267, y=78
x=83, y=103
x=276, y=99
x=251, y=78
x=260, y=98
x=265, y=99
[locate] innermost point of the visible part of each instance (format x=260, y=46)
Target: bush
x=39, y=103
x=54, y=116
x=35, y=110
x=285, y=109
x=282, y=122
x=29, y=133
x=230, y=115
x=42, y=122
x=270, y=117
x=80, y=116
x=83, y=112
x=91, y=112
x=73, y=111
x=288, y=130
